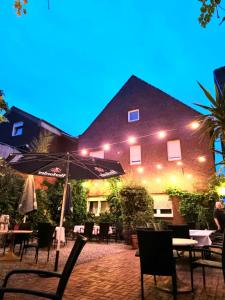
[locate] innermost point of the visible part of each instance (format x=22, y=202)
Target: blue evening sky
x=65, y=64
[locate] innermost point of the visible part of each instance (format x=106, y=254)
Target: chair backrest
x=24, y=226
x=103, y=230
x=179, y=231
x=88, y=229
x=68, y=268
x=156, y=252
x=45, y=234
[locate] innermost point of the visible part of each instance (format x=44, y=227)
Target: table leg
x=9, y=255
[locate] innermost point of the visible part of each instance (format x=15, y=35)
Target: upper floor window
x=133, y=115
x=98, y=154
x=135, y=155
x=174, y=150
x=17, y=128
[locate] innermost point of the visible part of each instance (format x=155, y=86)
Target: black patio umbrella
x=64, y=165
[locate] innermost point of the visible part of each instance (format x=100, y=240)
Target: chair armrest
x=29, y=292
x=30, y=271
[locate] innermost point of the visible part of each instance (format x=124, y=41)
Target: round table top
x=184, y=242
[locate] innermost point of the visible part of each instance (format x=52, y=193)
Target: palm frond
x=208, y=95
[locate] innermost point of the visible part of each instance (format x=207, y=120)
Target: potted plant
x=137, y=211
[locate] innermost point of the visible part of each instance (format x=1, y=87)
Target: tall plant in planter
x=137, y=208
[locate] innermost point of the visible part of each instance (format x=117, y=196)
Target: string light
x=161, y=134
x=106, y=147
x=131, y=140
x=140, y=170
x=179, y=163
x=201, y=159
x=144, y=181
x=194, y=125
x=159, y=166
x=158, y=180
x=84, y=152
x=189, y=176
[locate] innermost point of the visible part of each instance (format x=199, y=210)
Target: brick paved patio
x=115, y=275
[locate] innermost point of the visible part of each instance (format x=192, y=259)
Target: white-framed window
x=174, y=150
x=135, y=155
x=162, y=206
x=133, y=115
x=17, y=128
x=98, y=154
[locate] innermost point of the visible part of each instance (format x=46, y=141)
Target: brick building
x=22, y=128
x=154, y=137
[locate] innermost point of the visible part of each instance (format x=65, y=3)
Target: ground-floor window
x=97, y=205
x=162, y=206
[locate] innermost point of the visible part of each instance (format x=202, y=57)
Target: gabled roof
x=133, y=83
x=41, y=122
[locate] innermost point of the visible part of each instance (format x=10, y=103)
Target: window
x=17, y=129
x=135, y=155
x=133, y=115
x=98, y=154
x=174, y=150
x=162, y=205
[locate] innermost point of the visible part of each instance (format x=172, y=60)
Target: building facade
x=155, y=138
x=23, y=128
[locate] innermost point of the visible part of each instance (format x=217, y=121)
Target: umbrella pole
x=62, y=214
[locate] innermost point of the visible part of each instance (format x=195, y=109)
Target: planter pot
x=134, y=241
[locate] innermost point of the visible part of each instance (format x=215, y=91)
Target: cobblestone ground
x=115, y=275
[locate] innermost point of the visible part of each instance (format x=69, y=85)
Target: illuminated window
x=174, y=150
x=98, y=154
x=17, y=129
x=162, y=206
x=135, y=155
x=133, y=115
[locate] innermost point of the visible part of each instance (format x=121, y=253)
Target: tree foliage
x=11, y=188
x=208, y=9
x=3, y=107
x=137, y=206
x=196, y=207
x=213, y=123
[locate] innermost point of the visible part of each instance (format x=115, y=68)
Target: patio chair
x=63, y=277
x=180, y=231
x=204, y=262
x=103, y=232
x=21, y=239
x=88, y=230
x=44, y=240
x=156, y=256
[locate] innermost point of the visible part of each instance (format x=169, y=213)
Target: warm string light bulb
x=194, y=125
x=201, y=159
x=106, y=147
x=161, y=134
x=179, y=163
x=159, y=166
x=131, y=140
x=84, y=152
x=140, y=170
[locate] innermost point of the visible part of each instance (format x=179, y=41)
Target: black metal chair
x=22, y=239
x=156, y=256
x=103, y=232
x=44, y=240
x=210, y=263
x=64, y=276
x=88, y=230
x=179, y=231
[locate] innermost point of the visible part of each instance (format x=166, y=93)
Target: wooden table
x=9, y=255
